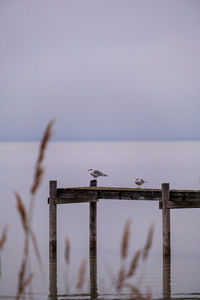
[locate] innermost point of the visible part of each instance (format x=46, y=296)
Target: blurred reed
x=2, y=241
x=126, y=273
x=124, y=278
x=3, y=237
x=25, y=275
x=81, y=274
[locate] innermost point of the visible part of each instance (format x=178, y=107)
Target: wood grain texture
x=52, y=221
x=166, y=220
x=88, y=194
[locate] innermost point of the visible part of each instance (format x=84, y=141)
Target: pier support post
x=93, y=221
x=166, y=220
x=52, y=239
x=166, y=277
x=52, y=221
x=93, y=246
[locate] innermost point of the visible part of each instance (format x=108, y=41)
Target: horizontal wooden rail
x=87, y=194
x=181, y=204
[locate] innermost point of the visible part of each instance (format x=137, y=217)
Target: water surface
x=67, y=162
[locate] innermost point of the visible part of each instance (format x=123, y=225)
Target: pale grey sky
x=108, y=70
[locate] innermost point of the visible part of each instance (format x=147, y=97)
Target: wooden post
x=166, y=277
x=166, y=219
x=52, y=239
x=93, y=246
x=52, y=221
x=93, y=220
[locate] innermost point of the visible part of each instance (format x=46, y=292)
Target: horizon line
x=102, y=140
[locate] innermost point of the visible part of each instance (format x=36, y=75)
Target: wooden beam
x=95, y=193
x=184, y=195
x=181, y=204
x=73, y=200
x=87, y=194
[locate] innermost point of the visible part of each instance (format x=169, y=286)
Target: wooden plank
x=126, y=193
x=109, y=193
x=73, y=200
x=179, y=196
x=88, y=194
x=74, y=194
x=183, y=204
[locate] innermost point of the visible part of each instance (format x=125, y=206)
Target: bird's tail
x=105, y=175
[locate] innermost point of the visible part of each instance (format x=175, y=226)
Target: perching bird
x=139, y=181
x=96, y=173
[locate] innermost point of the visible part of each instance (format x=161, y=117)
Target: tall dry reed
x=82, y=274
x=2, y=241
x=125, y=239
x=126, y=273
x=124, y=278
x=3, y=237
x=67, y=260
x=25, y=275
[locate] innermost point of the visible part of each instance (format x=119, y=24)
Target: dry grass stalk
x=81, y=275
x=23, y=280
x=134, y=264
x=3, y=237
x=148, y=242
x=124, y=276
x=125, y=240
x=39, y=170
x=67, y=259
x=37, y=251
x=22, y=211
x=135, y=292
x=121, y=278
x=149, y=295
x=67, y=251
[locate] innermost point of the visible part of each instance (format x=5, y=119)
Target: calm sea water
x=175, y=162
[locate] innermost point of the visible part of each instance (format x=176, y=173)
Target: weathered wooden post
x=93, y=245
x=166, y=277
x=52, y=221
x=52, y=239
x=166, y=219
x=93, y=221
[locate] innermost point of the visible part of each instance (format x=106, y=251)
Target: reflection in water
x=53, y=294
x=93, y=295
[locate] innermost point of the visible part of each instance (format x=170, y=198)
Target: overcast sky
x=105, y=70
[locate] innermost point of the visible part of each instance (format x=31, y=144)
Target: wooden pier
x=167, y=199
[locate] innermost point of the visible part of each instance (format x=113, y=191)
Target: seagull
x=96, y=173
x=139, y=181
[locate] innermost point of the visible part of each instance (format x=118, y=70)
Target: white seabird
x=96, y=173
x=139, y=181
